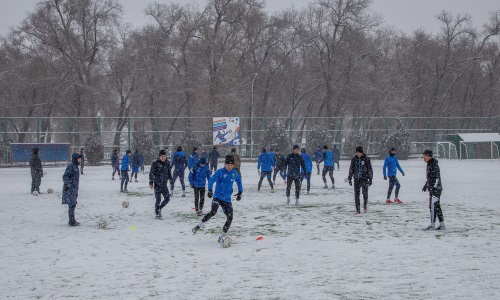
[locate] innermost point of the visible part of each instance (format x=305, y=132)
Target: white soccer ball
x=226, y=242
x=102, y=224
x=125, y=204
x=50, y=191
x=346, y=180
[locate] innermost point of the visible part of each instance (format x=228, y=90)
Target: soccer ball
x=125, y=204
x=226, y=242
x=50, y=191
x=102, y=223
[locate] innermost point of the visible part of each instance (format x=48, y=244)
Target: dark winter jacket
x=360, y=169
x=265, y=163
x=179, y=162
x=160, y=173
x=115, y=162
x=328, y=156
x=224, y=180
x=390, y=164
x=82, y=161
x=71, y=180
x=200, y=176
x=237, y=160
x=213, y=157
x=192, y=160
x=318, y=155
x=136, y=160
x=307, y=161
x=36, y=166
x=141, y=159
x=336, y=154
x=433, y=175
x=125, y=162
x=279, y=161
x=293, y=165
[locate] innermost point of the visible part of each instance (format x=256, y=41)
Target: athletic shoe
x=388, y=201
x=158, y=216
x=125, y=191
x=430, y=227
x=287, y=200
x=326, y=186
x=333, y=187
x=73, y=223
x=198, y=213
x=136, y=180
x=365, y=209
x=308, y=192
x=396, y=200
x=195, y=229
x=34, y=193
x=358, y=213
x=297, y=202
x=272, y=190
x=441, y=227
x=113, y=178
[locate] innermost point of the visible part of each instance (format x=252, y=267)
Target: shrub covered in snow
x=94, y=149
x=142, y=141
x=319, y=135
x=276, y=137
x=353, y=140
x=190, y=140
x=397, y=137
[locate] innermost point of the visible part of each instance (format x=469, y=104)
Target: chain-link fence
x=169, y=132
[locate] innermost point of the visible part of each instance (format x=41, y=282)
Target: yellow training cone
x=133, y=228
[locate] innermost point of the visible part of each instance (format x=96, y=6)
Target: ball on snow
x=125, y=204
x=50, y=191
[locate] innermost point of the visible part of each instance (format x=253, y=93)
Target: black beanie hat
x=325, y=147
x=179, y=149
x=128, y=151
x=359, y=149
x=427, y=152
x=303, y=150
x=163, y=152
x=229, y=159
x=295, y=147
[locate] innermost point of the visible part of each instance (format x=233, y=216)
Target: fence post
x=363, y=128
x=265, y=123
x=157, y=133
x=128, y=140
x=5, y=137
x=341, y=135
x=69, y=130
x=386, y=126
x=37, y=130
x=99, y=125
x=291, y=126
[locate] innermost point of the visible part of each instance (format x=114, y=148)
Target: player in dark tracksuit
x=293, y=165
x=36, y=172
x=159, y=175
x=71, y=180
x=279, y=165
x=213, y=159
x=179, y=162
x=115, y=163
x=201, y=173
x=362, y=172
x=434, y=187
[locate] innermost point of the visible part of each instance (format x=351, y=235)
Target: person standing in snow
x=294, y=166
x=362, y=172
x=213, y=159
x=434, y=187
x=265, y=169
x=36, y=171
x=141, y=160
x=336, y=157
x=198, y=181
x=71, y=180
x=279, y=165
x=224, y=179
x=237, y=161
x=391, y=165
x=308, y=171
x=159, y=175
x=272, y=154
x=318, y=157
x=124, y=170
x=328, y=166
x=136, y=163
x=179, y=162
x=115, y=164
x=82, y=164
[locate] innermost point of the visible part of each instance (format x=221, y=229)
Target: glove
x=403, y=174
x=192, y=186
x=258, y=172
x=424, y=189
x=210, y=194
x=238, y=196
x=66, y=187
x=284, y=174
x=369, y=182
x=385, y=177
x=350, y=182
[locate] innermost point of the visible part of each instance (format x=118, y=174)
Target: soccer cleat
x=388, y=201
x=125, y=191
x=357, y=212
x=198, y=213
x=430, y=227
x=326, y=186
x=112, y=178
x=195, y=229
x=136, y=180
x=34, y=193
x=308, y=192
x=297, y=202
x=333, y=187
x=441, y=227
x=396, y=200
x=365, y=209
x=272, y=190
x=183, y=194
x=287, y=200
x=73, y=223
x=158, y=215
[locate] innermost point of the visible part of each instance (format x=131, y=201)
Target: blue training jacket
x=391, y=163
x=179, y=161
x=125, y=163
x=224, y=180
x=71, y=179
x=318, y=155
x=265, y=162
x=307, y=161
x=200, y=176
x=192, y=160
x=328, y=158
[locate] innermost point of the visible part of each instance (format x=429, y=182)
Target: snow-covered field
x=319, y=250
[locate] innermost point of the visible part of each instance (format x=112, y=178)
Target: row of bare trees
x=333, y=58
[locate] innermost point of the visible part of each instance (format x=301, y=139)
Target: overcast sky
x=406, y=15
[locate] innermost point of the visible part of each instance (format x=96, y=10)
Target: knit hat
x=229, y=159
x=128, y=151
x=303, y=150
x=359, y=149
x=325, y=147
x=295, y=147
x=263, y=149
x=392, y=149
x=203, y=161
x=163, y=152
x=427, y=152
x=179, y=149
x=195, y=148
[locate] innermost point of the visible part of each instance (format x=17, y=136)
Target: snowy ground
x=319, y=250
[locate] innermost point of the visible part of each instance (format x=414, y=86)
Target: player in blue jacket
x=124, y=171
x=328, y=166
x=391, y=164
x=201, y=173
x=179, y=162
x=309, y=165
x=318, y=157
x=224, y=179
x=136, y=164
x=265, y=168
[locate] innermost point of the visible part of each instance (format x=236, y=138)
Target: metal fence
x=170, y=131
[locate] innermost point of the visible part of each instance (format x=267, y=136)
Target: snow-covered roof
x=480, y=137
